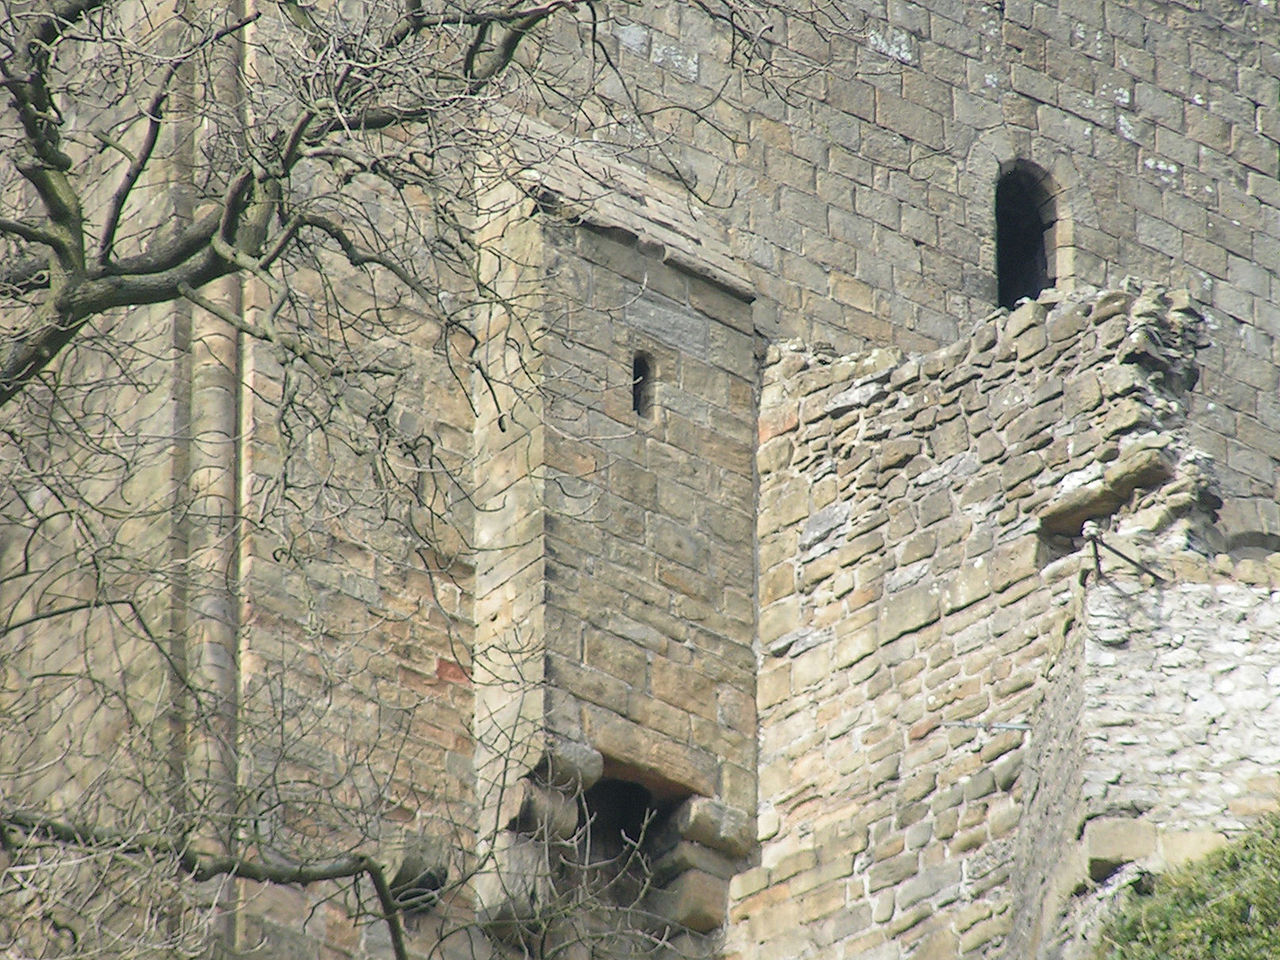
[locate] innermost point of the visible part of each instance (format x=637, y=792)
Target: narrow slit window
x=1024, y=222
x=642, y=385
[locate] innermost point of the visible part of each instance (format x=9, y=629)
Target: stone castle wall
x=890, y=569
x=928, y=687
x=862, y=202
x=941, y=711
x=649, y=559
x=1164, y=723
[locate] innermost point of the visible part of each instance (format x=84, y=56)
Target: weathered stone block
x=967, y=585
x=1030, y=343
x=1121, y=380
x=777, y=421
x=570, y=764
x=1110, y=304
x=1182, y=846
x=715, y=825
x=1126, y=416
x=909, y=610
x=928, y=883
x=686, y=856
x=516, y=879
x=1018, y=468
x=779, y=618
x=1066, y=323
x=1013, y=562
x=695, y=899
x=1036, y=421
x=894, y=453
x=1029, y=315
x=985, y=932
x=1139, y=467
x=1113, y=841
x=892, y=871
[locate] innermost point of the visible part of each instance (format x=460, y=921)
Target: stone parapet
x=946, y=541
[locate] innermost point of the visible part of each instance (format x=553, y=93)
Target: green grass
x=1224, y=907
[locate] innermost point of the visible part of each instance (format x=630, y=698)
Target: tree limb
x=28, y=231
x=65, y=611
x=77, y=303
x=24, y=274
x=137, y=164
x=203, y=867
x=414, y=21
x=79, y=291
x=358, y=256
x=81, y=295
x=172, y=254
x=266, y=333
x=516, y=29
x=154, y=114
x=47, y=165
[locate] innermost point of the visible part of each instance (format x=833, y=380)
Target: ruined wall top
x=967, y=715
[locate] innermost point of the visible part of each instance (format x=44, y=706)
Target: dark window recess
x=1022, y=264
x=618, y=817
x=642, y=385
x=618, y=825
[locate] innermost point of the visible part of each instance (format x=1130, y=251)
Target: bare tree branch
x=24, y=275
x=28, y=231
x=267, y=283
x=203, y=867
x=154, y=113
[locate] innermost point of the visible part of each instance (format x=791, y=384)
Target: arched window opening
x=642, y=385
x=1025, y=218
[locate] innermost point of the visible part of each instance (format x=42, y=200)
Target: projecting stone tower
x=614, y=584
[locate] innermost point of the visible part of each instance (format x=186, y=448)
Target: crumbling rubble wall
x=945, y=667
x=1174, y=736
